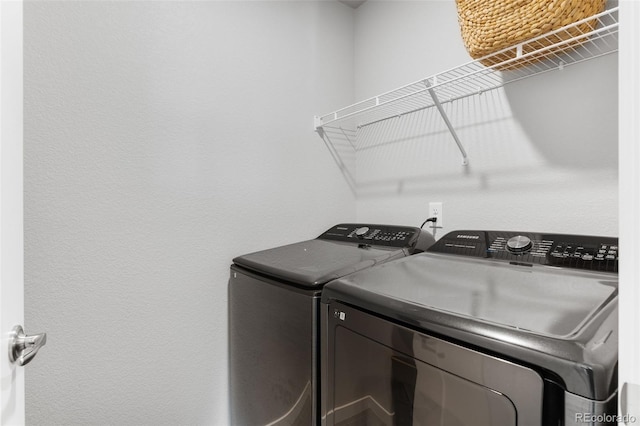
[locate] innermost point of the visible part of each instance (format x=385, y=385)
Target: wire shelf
x=557, y=49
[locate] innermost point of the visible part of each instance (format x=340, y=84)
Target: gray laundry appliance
x=486, y=328
x=274, y=299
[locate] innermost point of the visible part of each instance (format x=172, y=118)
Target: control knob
x=361, y=232
x=519, y=244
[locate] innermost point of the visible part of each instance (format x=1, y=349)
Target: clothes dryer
x=485, y=328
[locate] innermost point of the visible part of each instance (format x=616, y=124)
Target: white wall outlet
x=435, y=210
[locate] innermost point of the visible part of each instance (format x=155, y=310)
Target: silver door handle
x=23, y=348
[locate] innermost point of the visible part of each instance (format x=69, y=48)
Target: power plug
x=435, y=210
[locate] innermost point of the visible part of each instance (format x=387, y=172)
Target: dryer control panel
x=528, y=248
x=378, y=235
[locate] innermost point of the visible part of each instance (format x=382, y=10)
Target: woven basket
x=488, y=26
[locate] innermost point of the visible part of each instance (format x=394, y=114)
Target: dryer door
x=380, y=373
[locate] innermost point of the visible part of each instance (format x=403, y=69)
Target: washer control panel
x=565, y=250
x=379, y=235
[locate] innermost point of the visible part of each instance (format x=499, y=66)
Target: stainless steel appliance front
x=273, y=317
x=376, y=372
x=485, y=328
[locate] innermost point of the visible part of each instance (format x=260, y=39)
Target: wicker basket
x=488, y=26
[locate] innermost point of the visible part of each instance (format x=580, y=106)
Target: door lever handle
x=23, y=348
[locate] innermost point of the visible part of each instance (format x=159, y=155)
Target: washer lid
x=545, y=301
x=315, y=262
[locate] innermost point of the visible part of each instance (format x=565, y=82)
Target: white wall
x=164, y=138
x=161, y=140
x=542, y=152
x=629, y=298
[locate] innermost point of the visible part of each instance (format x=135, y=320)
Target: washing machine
x=485, y=328
x=274, y=298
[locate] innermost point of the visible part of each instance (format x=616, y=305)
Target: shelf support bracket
x=445, y=118
x=346, y=172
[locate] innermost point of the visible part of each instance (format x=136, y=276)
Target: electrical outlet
x=435, y=210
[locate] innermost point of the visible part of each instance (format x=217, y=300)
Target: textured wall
x=164, y=138
x=542, y=152
x=161, y=140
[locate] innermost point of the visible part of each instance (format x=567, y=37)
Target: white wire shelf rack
x=551, y=51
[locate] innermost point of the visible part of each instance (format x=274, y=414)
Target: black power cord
x=431, y=219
